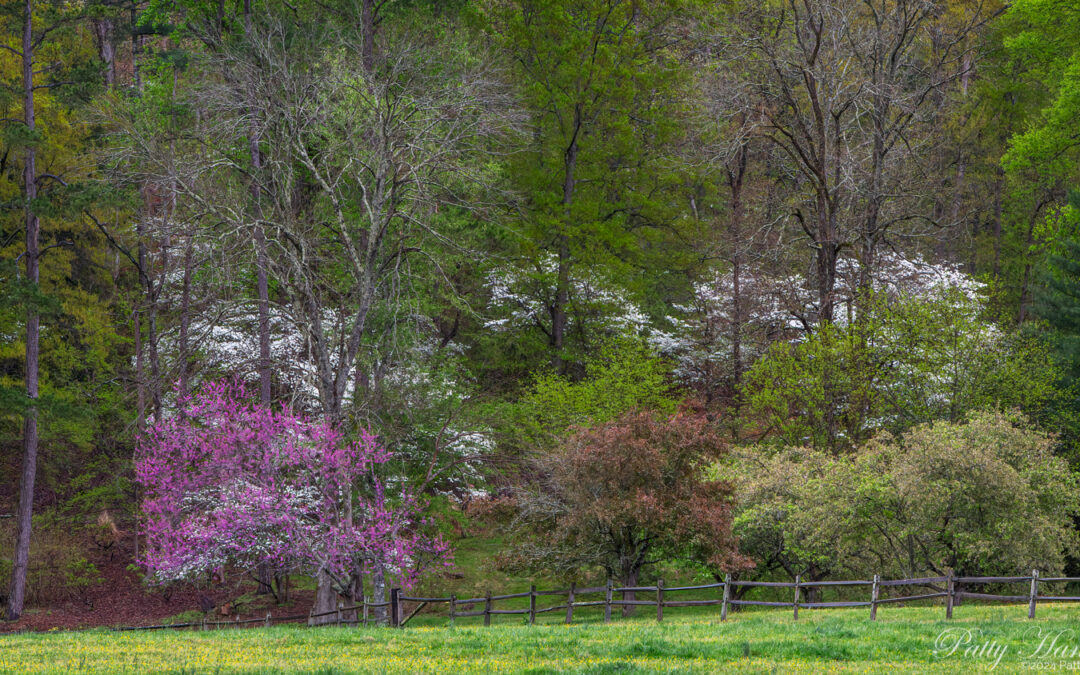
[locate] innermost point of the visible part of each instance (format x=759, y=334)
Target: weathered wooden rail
x=945, y=587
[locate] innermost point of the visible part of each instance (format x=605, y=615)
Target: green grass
x=903, y=640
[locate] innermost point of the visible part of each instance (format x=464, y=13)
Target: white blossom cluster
x=225, y=340
x=698, y=335
x=523, y=298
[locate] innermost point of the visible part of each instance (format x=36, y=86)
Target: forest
x=315, y=289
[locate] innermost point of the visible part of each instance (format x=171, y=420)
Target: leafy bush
x=80, y=575
x=624, y=375
x=983, y=497
x=625, y=495
x=907, y=362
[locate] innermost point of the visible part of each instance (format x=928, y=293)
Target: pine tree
x=1058, y=299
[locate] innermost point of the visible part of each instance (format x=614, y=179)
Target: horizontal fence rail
x=657, y=596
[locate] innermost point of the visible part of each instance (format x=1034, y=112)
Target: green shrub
x=983, y=497
x=80, y=575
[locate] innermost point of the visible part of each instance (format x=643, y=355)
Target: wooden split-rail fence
x=660, y=597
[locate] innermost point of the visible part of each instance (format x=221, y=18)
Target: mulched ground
x=122, y=600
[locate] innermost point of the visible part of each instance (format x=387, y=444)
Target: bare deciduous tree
x=847, y=89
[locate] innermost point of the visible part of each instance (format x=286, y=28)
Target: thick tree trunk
x=325, y=600
x=24, y=517
x=629, y=578
x=103, y=33
x=354, y=594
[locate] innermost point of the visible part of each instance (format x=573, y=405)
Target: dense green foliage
x=487, y=228
x=986, y=494
x=912, y=361
x=621, y=377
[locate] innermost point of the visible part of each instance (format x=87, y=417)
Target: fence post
x=453, y=608
x=570, y=602
x=395, y=607
x=607, y=602
x=659, y=599
x=532, y=604
x=338, y=617
x=874, y=591
x=950, y=593
x=400, y=610
x=1034, y=593
x=795, y=604
x=727, y=596
x=487, y=609
x=365, y=611
x=268, y=622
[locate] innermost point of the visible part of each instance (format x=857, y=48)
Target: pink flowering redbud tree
x=232, y=483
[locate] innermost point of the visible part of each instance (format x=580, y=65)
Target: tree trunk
x=261, y=259
x=367, y=35
x=562, y=298
x=826, y=259
x=150, y=289
x=355, y=593
x=630, y=578
x=185, y=311
x=140, y=361
x=265, y=578
x=140, y=374
x=874, y=204
x=103, y=33
x=1025, y=296
x=281, y=582
x=264, y=573
x=562, y=290
x=998, y=187
x=24, y=518
x=325, y=600
x=378, y=593
x=736, y=176
x=136, y=47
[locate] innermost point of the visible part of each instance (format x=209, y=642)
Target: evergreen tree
x=1058, y=299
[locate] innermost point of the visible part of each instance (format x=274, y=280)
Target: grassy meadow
x=903, y=640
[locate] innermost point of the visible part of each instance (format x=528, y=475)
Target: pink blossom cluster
x=229, y=482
